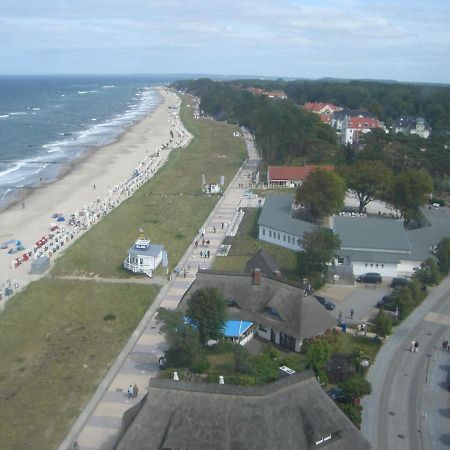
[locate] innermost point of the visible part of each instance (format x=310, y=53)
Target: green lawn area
x=170, y=207
x=55, y=347
x=245, y=244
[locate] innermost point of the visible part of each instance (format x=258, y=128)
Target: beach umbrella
x=60, y=219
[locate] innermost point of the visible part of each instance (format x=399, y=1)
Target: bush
x=109, y=316
x=356, y=387
x=383, y=324
x=353, y=412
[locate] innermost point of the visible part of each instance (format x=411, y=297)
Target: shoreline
x=68, y=167
x=96, y=183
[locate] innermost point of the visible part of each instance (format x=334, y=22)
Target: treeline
x=387, y=100
x=284, y=133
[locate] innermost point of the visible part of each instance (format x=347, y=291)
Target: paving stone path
x=99, y=423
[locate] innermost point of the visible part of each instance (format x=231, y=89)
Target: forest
x=286, y=134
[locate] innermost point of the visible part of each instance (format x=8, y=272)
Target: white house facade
x=276, y=224
x=144, y=257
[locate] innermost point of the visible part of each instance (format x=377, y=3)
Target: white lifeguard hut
x=145, y=257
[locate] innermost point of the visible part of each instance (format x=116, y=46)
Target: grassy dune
x=170, y=207
x=56, y=343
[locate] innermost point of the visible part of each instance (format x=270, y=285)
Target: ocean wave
x=4, y=116
x=95, y=132
x=19, y=113
x=108, y=86
x=82, y=92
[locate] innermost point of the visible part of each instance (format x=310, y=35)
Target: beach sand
x=105, y=168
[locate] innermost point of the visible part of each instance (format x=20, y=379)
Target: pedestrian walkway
x=98, y=425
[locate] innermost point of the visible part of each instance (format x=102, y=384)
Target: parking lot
x=362, y=298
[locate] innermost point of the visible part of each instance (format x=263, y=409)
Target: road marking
x=439, y=319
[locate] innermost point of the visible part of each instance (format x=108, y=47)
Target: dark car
x=370, y=277
x=387, y=303
x=337, y=394
x=325, y=302
x=398, y=282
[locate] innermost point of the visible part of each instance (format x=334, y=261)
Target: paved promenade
x=99, y=423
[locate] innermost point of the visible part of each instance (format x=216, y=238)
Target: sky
x=383, y=39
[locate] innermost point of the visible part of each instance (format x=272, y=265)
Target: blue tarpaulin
x=235, y=328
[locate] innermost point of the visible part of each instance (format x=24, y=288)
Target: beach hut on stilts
x=145, y=257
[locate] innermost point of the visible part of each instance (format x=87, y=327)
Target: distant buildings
x=324, y=110
x=271, y=94
x=412, y=125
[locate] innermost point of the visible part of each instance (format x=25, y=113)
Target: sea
x=47, y=123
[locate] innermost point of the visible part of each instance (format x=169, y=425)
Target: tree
x=443, y=255
x=368, y=179
x=319, y=247
x=383, y=324
x=428, y=274
x=317, y=354
x=322, y=193
x=409, y=192
x=356, y=387
x=207, y=310
x=185, y=349
x=353, y=412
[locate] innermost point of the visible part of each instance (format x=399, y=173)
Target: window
x=141, y=261
x=264, y=231
x=284, y=238
x=376, y=265
x=262, y=328
x=366, y=264
x=279, y=237
x=340, y=261
x=270, y=233
x=382, y=265
x=289, y=239
x=371, y=265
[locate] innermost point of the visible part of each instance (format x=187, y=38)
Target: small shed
x=40, y=265
x=145, y=257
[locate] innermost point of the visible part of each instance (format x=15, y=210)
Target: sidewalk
x=98, y=425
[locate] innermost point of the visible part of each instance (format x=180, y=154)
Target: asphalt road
x=401, y=413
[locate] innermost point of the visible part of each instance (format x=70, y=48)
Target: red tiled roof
x=363, y=122
x=317, y=107
x=287, y=173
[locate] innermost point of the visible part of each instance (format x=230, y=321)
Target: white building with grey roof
x=368, y=244
x=277, y=224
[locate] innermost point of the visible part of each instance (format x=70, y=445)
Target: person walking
x=416, y=346
x=135, y=390
x=413, y=345
x=130, y=391
x=445, y=345
x=352, y=313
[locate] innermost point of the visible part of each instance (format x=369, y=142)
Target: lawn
x=170, y=207
x=56, y=345
x=245, y=244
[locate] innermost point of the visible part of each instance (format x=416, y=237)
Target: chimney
x=175, y=376
x=221, y=380
x=257, y=277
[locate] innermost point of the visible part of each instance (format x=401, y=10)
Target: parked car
x=370, y=277
x=397, y=282
x=328, y=304
x=387, y=303
x=337, y=394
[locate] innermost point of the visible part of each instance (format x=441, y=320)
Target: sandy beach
x=104, y=174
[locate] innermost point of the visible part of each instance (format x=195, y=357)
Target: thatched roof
x=274, y=303
x=291, y=413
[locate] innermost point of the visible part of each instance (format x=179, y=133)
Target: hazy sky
x=388, y=39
